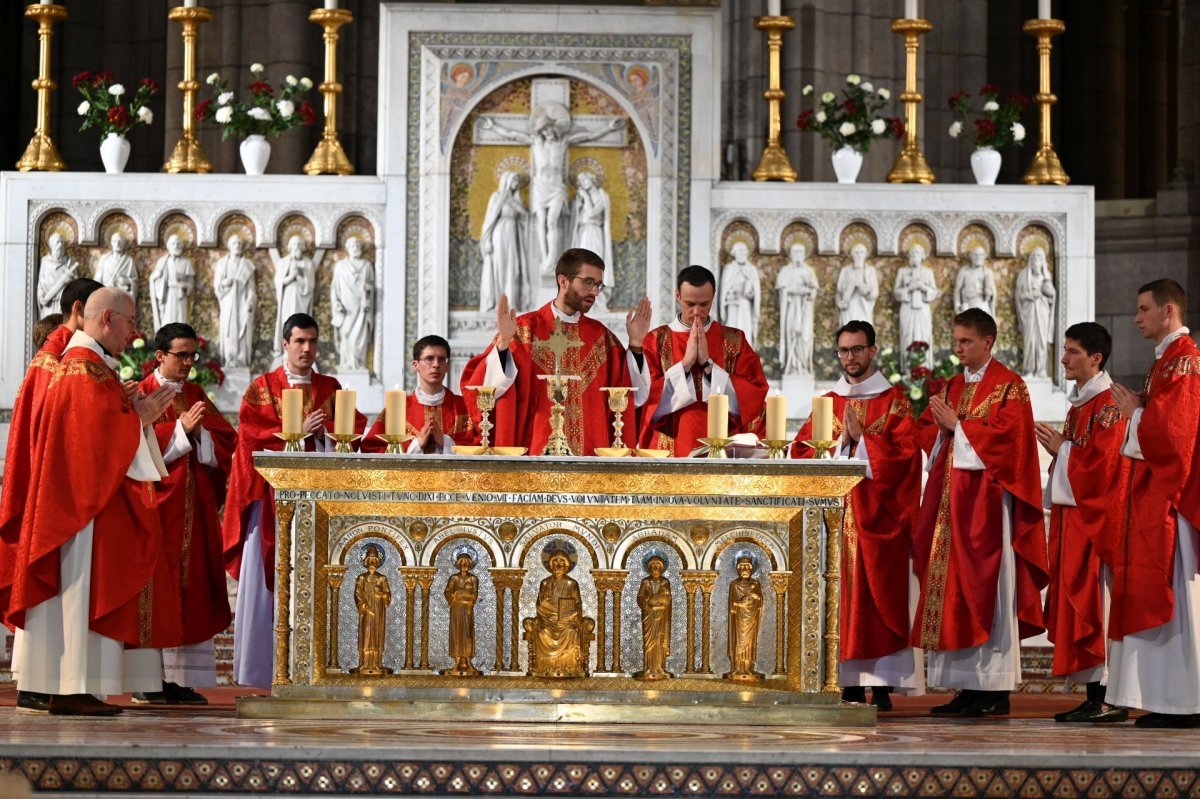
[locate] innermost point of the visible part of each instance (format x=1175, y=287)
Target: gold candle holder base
x=329, y=158
x=293, y=442
x=1046, y=168
x=774, y=163
x=824, y=449
x=716, y=446
x=776, y=448
x=41, y=155
x=395, y=442
x=188, y=156
x=910, y=166
x=344, y=440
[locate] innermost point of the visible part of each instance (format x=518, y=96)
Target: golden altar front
x=557, y=589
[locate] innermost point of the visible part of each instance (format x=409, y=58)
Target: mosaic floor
x=178, y=752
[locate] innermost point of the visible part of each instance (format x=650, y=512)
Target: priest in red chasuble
x=980, y=540
x=197, y=446
x=1086, y=494
x=1154, y=655
x=85, y=557
x=873, y=420
x=687, y=360
x=248, y=527
x=522, y=351
x=436, y=417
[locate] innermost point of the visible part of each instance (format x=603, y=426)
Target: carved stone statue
x=550, y=135
x=116, y=268
x=54, y=273
x=295, y=282
x=502, y=245
x=591, y=226
x=915, y=290
x=372, y=595
x=352, y=306
x=559, y=636
x=237, y=299
x=975, y=285
x=654, y=600
x=857, y=288
x=796, y=285
x=462, y=590
x=745, y=616
x=1034, y=295
x=171, y=284
x=741, y=292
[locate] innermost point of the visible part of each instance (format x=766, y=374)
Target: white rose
x=223, y=115
x=807, y=90
x=878, y=126
x=887, y=352
x=894, y=378
x=868, y=87
x=292, y=81
x=146, y=115
x=821, y=116
x=212, y=396
x=1018, y=131
x=261, y=114
x=138, y=343
x=213, y=79
x=224, y=97
x=885, y=94
x=256, y=68
x=916, y=393
x=847, y=129
x=286, y=108
x=853, y=79
x=116, y=90
x=953, y=360
x=306, y=83
x=991, y=105
x=126, y=372
x=83, y=107
x=192, y=374
x=955, y=129
x=827, y=97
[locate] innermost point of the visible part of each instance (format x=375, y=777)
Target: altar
x=558, y=589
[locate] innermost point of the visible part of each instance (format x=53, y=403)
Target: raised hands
x=506, y=323
x=637, y=323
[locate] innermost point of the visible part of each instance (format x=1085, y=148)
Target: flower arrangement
x=918, y=380
x=265, y=113
x=995, y=124
x=853, y=120
x=104, y=103
x=139, y=360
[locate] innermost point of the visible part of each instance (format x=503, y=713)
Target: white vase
x=114, y=152
x=985, y=163
x=846, y=163
x=255, y=151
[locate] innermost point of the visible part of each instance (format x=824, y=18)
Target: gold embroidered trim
x=666, y=352
x=145, y=613
x=1107, y=416
x=731, y=342
x=524, y=335
x=257, y=394
x=74, y=367
x=1016, y=392
x=939, y=557
x=44, y=360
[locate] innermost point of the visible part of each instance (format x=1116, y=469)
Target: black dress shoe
x=955, y=706
x=81, y=705
x=32, y=702
x=182, y=695
x=150, y=698
x=1094, y=713
x=989, y=703
x=1079, y=712
x=855, y=693
x=1168, y=721
x=881, y=697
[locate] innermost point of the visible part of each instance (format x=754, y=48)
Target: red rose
x=958, y=97
x=897, y=127
x=118, y=116
x=920, y=372
x=203, y=108
x=260, y=87
x=985, y=131
x=805, y=119
x=307, y=113
x=101, y=78
x=202, y=342
x=150, y=84
x=851, y=107
x=989, y=89
x=149, y=366
x=81, y=78
x=934, y=386
x=1016, y=98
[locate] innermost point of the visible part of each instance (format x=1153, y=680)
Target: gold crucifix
x=558, y=343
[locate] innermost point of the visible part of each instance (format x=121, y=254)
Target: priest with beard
x=85, y=557
x=593, y=354
x=873, y=421
x=690, y=359
x=248, y=526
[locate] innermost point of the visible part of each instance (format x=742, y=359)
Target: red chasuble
x=682, y=430
x=522, y=414
x=1099, y=478
x=87, y=438
x=877, y=527
x=259, y=419
x=450, y=417
x=188, y=499
x=959, y=532
x=18, y=461
x=1161, y=488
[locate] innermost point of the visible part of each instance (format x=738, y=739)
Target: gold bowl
x=509, y=451
x=613, y=452
x=463, y=449
x=653, y=453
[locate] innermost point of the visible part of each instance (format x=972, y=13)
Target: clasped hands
x=696, y=351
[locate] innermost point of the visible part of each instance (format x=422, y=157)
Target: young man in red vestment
x=521, y=353
x=197, y=445
x=248, y=527
x=689, y=359
x=873, y=420
x=1086, y=495
x=27, y=408
x=1154, y=657
x=85, y=557
x=436, y=416
x=980, y=541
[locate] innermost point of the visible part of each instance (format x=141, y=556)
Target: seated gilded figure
x=560, y=636
x=372, y=595
x=745, y=616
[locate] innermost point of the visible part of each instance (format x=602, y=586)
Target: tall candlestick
x=777, y=417
x=822, y=419
x=718, y=416
x=395, y=412
x=41, y=154
x=1044, y=11
x=1046, y=168
x=774, y=163
x=329, y=158
x=343, y=412
x=293, y=410
x=188, y=155
x=911, y=166
x=910, y=9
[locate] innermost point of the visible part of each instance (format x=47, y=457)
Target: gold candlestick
x=329, y=158
x=292, y=441
x=189, y=155
x=618, y=402
x=1046, y=168
x=776, y=448
x=394, y=442
x=41, y=155
x=485, y=401
x=824, y=449
x=774, y=164
x=344, y=440
x=716, y=446
x=910, y=166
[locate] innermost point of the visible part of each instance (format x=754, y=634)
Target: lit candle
x=395, y=412
x=777, y=417
x=293, y=410
x=773, y=8
x=718, y=416
x=343, y=413
x=822, y=419
x=910, y=9
x=330, y=4
x=1044, y=11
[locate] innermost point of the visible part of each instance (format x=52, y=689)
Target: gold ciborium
x=485, y=401
x=618, y=403
x=776, y=448
x=824, y=449
x=292, y=442
x=556, y=390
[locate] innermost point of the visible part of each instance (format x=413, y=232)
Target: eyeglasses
x=846, y=352
x=129, y=319
x=591, y=285
x=184, y=356
x=434, y=360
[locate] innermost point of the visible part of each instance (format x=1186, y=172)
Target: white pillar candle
x=718, y=416
x=1044, y=11
x=822, y=419
x=343, y=413
x=331, y=4
x=293, y=410
x=395, y=412
x=774, y=8
x=189, y=3
x=910, y=9
x=777, y=417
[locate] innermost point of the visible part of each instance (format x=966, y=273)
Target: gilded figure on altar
x=654, y=600
x=559, y=636
x=745, y=616
x=372, y=596
x=462, y=591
